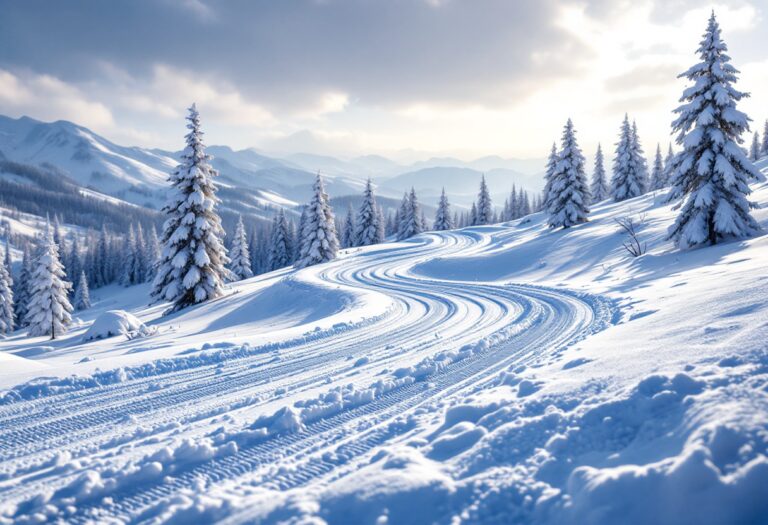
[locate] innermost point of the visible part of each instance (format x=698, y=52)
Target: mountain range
x=251, y=182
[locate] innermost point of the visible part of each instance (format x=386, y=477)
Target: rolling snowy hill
x=496, y=374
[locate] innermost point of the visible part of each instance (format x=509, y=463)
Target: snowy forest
x=205, y=334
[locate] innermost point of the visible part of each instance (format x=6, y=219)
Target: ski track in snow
x=530, y=325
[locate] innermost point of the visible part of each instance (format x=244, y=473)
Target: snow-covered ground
x=499, y=374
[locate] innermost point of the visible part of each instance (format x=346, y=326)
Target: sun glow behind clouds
x=439, y=77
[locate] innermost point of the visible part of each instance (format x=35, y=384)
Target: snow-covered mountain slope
x=499, y=374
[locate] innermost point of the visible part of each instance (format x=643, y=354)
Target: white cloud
x=48, y=98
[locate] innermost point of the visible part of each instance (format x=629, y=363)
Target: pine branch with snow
x=569, y=191
x=712, y=172
x=319, y=242
x=192, y=266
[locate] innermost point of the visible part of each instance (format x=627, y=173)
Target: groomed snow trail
x=440, y=340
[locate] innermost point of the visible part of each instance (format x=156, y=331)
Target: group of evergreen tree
x=369, y=226
x=711, y=174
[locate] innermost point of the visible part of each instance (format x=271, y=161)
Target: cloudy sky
x=405, y=78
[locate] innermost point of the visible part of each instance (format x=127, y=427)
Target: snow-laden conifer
x=239, y=255
x=569, y=191
x=410, y=216
x=628, y=172
x=764, y=147
x=658, y=173
x=443, y=220
x=754, y=150
x=131, y=273
x=319, y=240
x=281, y=249
x=7, y=322
x=548, y=174
x=192, y=266
x=348, y=228
x=22, y=288
x=484, y=205
x=367, y=230
x=82, y=300
x=49, y=308
x=639, y=157
x=712, y=173
x=599, y=188
x=152, y=253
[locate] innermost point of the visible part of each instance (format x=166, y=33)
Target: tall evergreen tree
x=22, y=288
x=472, y=219
x=142, y=269
x=484, y=206
x=599, y=188
x=367, y=230
x=240, y=256
x=348, y=228
x=152, y=253
x=764, y=147
x=569, y=191
x=49, y=308
x=381, y=232
x=669, y=165
x=82, y=299
x=192, y=267
x=548, y=174
x=281, y=250
x=525, y=203
x=443, y=219
x=410, y=216
x=639, y=157
x=628, y=174
x=658, y=174
x=319, y=241
x=7, y=323
x=131, y=273
x=754, y=151
x=712, y=172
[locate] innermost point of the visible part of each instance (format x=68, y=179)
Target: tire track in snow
x=460, y=312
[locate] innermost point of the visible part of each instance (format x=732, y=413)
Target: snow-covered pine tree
x=484, y=205
x=319, y=240
x=599, y=188
x=141, y=255
x=49, y=308
x=57, y=237
x=669, y=164
x=473, y=215
x=348, y=228
x=131, y=271
x=7, y=323
x=443, y=220
x=152, y=254
x=192, y=266
x=367, y=231
x=628, y=174
x=102, y=271
x=525, y=203
x=712, y=172
x=548, y=174
x=410, y=216
x=569, y=191
x=764, y=147
x=381, y=232
x=21, y=289
x=639, y=156
x=423, y=221
x=658, y=175
x=239, y=255
x=82, y=299
x=754, y=151
x=513, y=208
x=281, y=249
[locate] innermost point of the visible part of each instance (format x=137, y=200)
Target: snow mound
x=112, y=323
